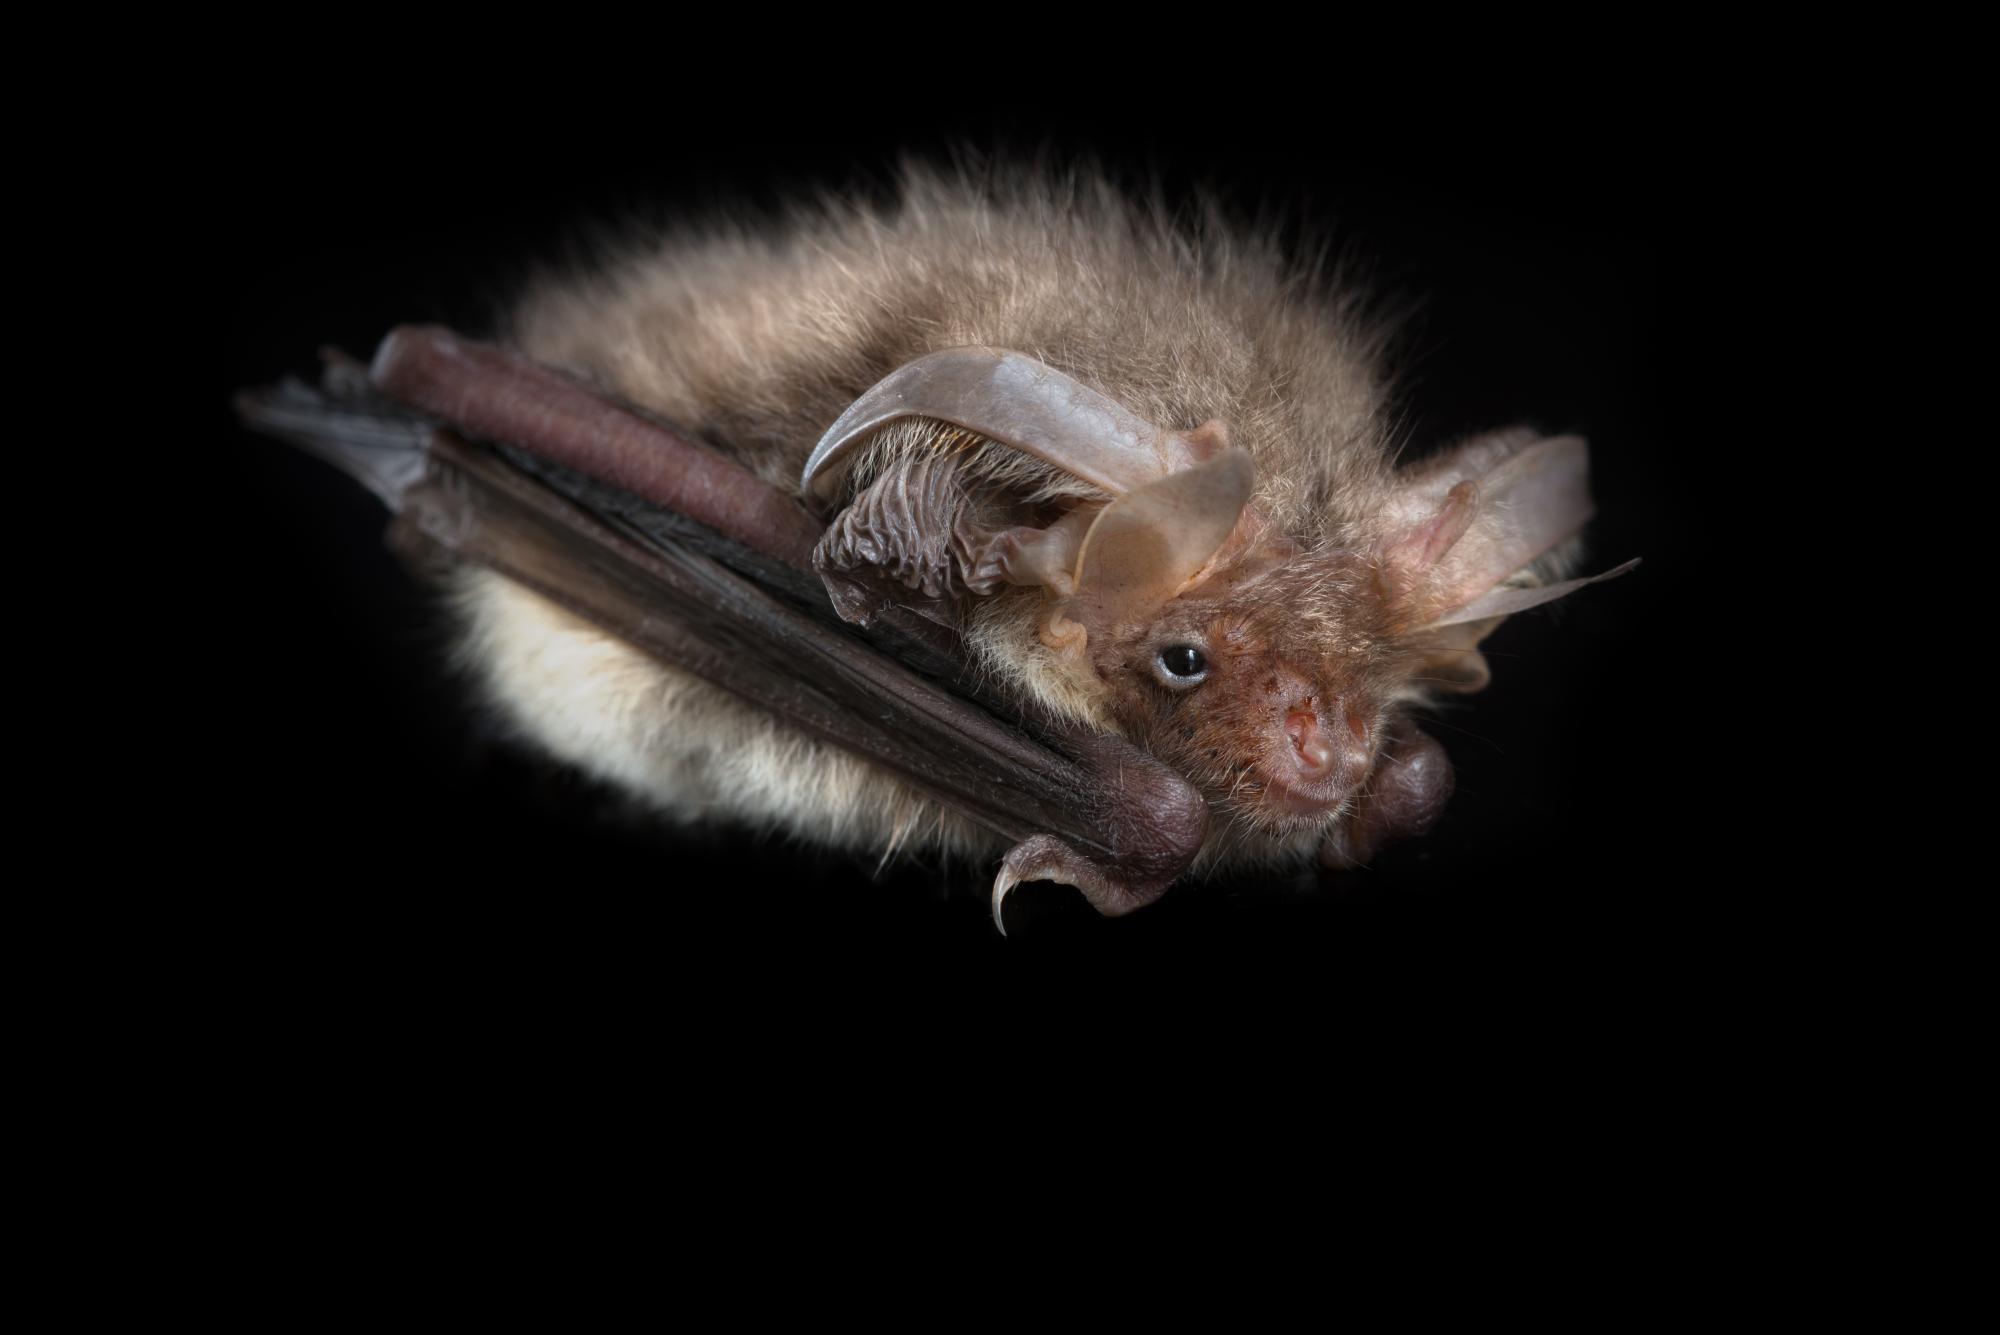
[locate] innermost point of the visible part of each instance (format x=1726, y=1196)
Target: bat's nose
x=1323, y=748
x=1319, y=750
x=1315, y=754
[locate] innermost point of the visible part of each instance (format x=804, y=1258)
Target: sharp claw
x=1002, y=883
x=1043, y=857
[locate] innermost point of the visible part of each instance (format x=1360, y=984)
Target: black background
x=392, y=856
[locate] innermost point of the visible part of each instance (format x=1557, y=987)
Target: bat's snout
x=1320, y=753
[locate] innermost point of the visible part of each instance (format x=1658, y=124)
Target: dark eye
x=1183, y=660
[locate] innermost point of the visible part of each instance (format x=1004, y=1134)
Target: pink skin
x=1311, y=764
x=1322, y=755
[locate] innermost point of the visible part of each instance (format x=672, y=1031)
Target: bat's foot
x=1047, y=858
x=1409, y=790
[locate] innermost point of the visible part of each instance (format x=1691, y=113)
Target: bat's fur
x=758, y=339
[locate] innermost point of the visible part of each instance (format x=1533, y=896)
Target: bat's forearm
x=490, y=393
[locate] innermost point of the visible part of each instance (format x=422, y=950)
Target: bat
x=1131, y=500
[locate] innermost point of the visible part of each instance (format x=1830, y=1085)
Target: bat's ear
x=1014, y=400
x=1464, y=530
x=1473, y=518
x=926, y=518
x=1152, y=544
x=1451, y=658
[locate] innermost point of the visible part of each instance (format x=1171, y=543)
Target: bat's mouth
x=1292, y=801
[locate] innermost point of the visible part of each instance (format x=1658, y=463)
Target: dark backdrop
x=397, y=856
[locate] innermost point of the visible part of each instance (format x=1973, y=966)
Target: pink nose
x=1316, y=755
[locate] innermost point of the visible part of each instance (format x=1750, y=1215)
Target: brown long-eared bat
x=1020, y=523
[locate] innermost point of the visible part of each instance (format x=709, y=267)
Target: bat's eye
x=1182, y=665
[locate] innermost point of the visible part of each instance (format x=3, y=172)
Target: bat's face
x=1259, y=663
x=1269, y=688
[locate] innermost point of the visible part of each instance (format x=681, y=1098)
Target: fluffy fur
x=757, y=340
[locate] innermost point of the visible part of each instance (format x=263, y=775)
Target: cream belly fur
x=683, y=746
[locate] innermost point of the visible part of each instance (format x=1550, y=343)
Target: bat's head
x=1267, y=670
x=1269, y=684
x=1263, y=665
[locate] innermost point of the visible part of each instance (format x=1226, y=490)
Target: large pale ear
x=1154, y=543
x=1468, y=522
x=1011, y=398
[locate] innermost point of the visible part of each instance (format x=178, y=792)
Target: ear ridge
x=1028, y=556
x=1418, y=549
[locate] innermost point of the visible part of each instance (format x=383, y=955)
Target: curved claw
x=1044, y=857
x=1002, y=885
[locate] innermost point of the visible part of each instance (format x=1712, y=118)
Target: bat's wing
x=346, y=423
x=676, y=549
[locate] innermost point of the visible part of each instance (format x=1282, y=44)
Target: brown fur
x=757, y=340
x=1298, y=633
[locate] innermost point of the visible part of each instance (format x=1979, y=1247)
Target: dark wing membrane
x=344, y=422
x=731, y=600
